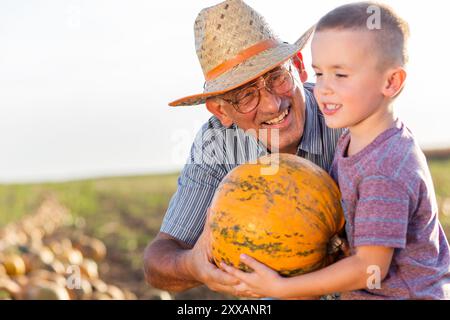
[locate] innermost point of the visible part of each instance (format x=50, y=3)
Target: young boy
x=398, y=248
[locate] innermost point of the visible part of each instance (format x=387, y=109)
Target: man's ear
x=395, y=82
x=299, y=64
x=303, y=76
x=217, y=109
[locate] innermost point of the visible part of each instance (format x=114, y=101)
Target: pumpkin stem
x=334, y=245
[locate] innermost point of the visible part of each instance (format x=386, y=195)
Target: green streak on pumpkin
x=245, y=268
x=300, y=271
x=224, y=232
x=236, y=228
x=269, y=248
x=305, y=253
x=314, y=213
x=253, y=185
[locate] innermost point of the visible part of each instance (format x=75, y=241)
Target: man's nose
x=270, y=103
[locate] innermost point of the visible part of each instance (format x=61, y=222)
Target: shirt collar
x=311, y=141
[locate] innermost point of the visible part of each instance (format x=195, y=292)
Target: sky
x=84, y=85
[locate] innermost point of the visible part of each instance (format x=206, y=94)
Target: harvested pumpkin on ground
x=115, y=293
x=9, y=289
x=99, y=286
x=38, y=259
x=43, y=257
x=101, y=296
x=45, y=290
x=57, y=267
x=82, y=292
x=2, y=270
x=14, y=265
x=285, y=220
x=21, y=280
x=38, y=275
x=89, y=269
x=91, y=248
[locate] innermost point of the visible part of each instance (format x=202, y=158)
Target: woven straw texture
x=224, y=31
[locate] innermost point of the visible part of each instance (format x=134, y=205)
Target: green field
x=440, y=171
x=126, y=213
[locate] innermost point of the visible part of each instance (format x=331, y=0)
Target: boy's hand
x=262, y=282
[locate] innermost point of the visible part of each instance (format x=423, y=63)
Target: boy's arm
x=352, y=273
x=349, y=274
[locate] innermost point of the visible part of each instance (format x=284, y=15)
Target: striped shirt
x=388, y=200
x=218, y=150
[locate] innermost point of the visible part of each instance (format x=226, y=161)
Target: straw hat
x=235, y=45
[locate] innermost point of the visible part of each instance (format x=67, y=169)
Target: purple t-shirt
x=388, y=200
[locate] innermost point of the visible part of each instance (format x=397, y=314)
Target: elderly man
x=255, y=88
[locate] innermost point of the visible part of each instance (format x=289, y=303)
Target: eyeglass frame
x=259, y=88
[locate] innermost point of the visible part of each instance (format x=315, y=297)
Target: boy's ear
x=217, y=109
x=395, y=82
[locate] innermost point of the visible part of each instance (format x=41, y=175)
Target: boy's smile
x=330, y=108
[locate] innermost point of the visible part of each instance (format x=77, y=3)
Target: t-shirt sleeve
x=382, y=212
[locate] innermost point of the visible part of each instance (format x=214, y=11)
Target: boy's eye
x=318, y=74
x=339, y=75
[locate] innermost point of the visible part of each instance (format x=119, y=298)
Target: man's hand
x=199, y=263
x=172, y=265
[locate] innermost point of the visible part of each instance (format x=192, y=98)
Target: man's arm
x=171, y=265
x=163, y=264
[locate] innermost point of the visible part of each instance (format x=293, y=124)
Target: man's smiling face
x=282, y=112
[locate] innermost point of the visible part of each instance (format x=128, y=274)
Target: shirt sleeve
x=185, y=216
x=382, y=213
x=197, y=183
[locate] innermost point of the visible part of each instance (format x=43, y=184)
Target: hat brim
x=247, y=71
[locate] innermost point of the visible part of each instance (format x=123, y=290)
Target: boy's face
x=349, y=80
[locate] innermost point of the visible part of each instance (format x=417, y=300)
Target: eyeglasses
x=278, y=82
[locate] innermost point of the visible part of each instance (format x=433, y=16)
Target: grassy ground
x=440, y=171
x=126, y=213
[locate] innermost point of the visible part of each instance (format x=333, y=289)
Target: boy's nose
x=323, y=88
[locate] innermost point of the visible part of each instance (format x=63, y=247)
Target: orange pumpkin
x=285, y=220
